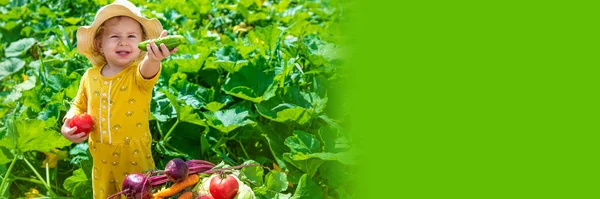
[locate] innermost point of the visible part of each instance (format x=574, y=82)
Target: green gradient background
x=475, y=99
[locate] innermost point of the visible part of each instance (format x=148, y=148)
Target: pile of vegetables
x=187, y=179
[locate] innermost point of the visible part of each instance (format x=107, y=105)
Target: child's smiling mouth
x=123, y=53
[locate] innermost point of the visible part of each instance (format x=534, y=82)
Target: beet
x=132, y=187
x=176, y=170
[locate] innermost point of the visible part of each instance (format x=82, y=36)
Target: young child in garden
x=117, y=92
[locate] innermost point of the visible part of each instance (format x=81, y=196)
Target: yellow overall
x=120, y=141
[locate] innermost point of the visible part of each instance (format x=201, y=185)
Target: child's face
x=119, y=42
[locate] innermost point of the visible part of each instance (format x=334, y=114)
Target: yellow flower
x=276, y=168
x=53, y=157
x=32, y=193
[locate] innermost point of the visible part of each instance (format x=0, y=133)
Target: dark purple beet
x=132, y=187
x=176, y=170
x=134, y=183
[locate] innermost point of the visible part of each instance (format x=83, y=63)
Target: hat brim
x=86, y=34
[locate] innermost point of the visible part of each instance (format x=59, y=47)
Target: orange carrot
x=177, y=187
x=186, y=195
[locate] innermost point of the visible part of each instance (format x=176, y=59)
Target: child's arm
x=78, y=106
x=151, y=63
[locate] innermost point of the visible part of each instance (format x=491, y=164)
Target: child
x=117, y=92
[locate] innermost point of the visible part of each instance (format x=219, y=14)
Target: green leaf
x=58, y=82
x=227, y=53
x=309, y=166
x=245, y=3
x=347, y=158
x=257, y=16
x=307, y=189
x=13, y=97
x=269, y=35
x=322, y=156
x=55, y=97
x=329, y=52
x=172, y=98
x=214, y=106
x=328, y=136
x=10, y=25
x=251, y=82
x=184, y=137
x=192, y=94
x=79, y=184
x=243, y=9
x=19, y=47
x=32, y=135
x=5, y=156
x=276, y=181
x=50, y=111
x=293, y=106
x=231, y=66
x=187, y=115
x=229, y=119
x=33, y=99
x=79, y=154
x=284, y=195
x=161, y=106
x=205, y=6
x=26, y=85
x=295, y=114
x=192, y=63
x=275, y=141
x=79, y=149
x=302, y=142
x=10, y=66
x=161, y=148
x=253, y=174
x=198, y=96
x=72, y=20
x=221, y=101
x=71, y=90
x=336, y=174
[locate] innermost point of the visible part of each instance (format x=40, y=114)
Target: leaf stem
x=159, y=128
x=229, y=152
x=171, y=130
x=41, y=74
x=38, y=182
x=173, y=148
x=48, y=173
x=7, y=173
x=243, y=149
x=40, y=177
x=56, y=180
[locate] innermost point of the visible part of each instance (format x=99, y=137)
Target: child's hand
x=154, y=54
x=68, y=132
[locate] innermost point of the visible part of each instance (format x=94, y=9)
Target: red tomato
x=223, y=188
x=83, y=122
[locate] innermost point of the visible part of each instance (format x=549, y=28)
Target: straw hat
x=86, y=34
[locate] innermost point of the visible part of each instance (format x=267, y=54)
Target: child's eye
x=131, y=36
x=114, y=36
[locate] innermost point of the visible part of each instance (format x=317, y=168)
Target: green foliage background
x=258, y=81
